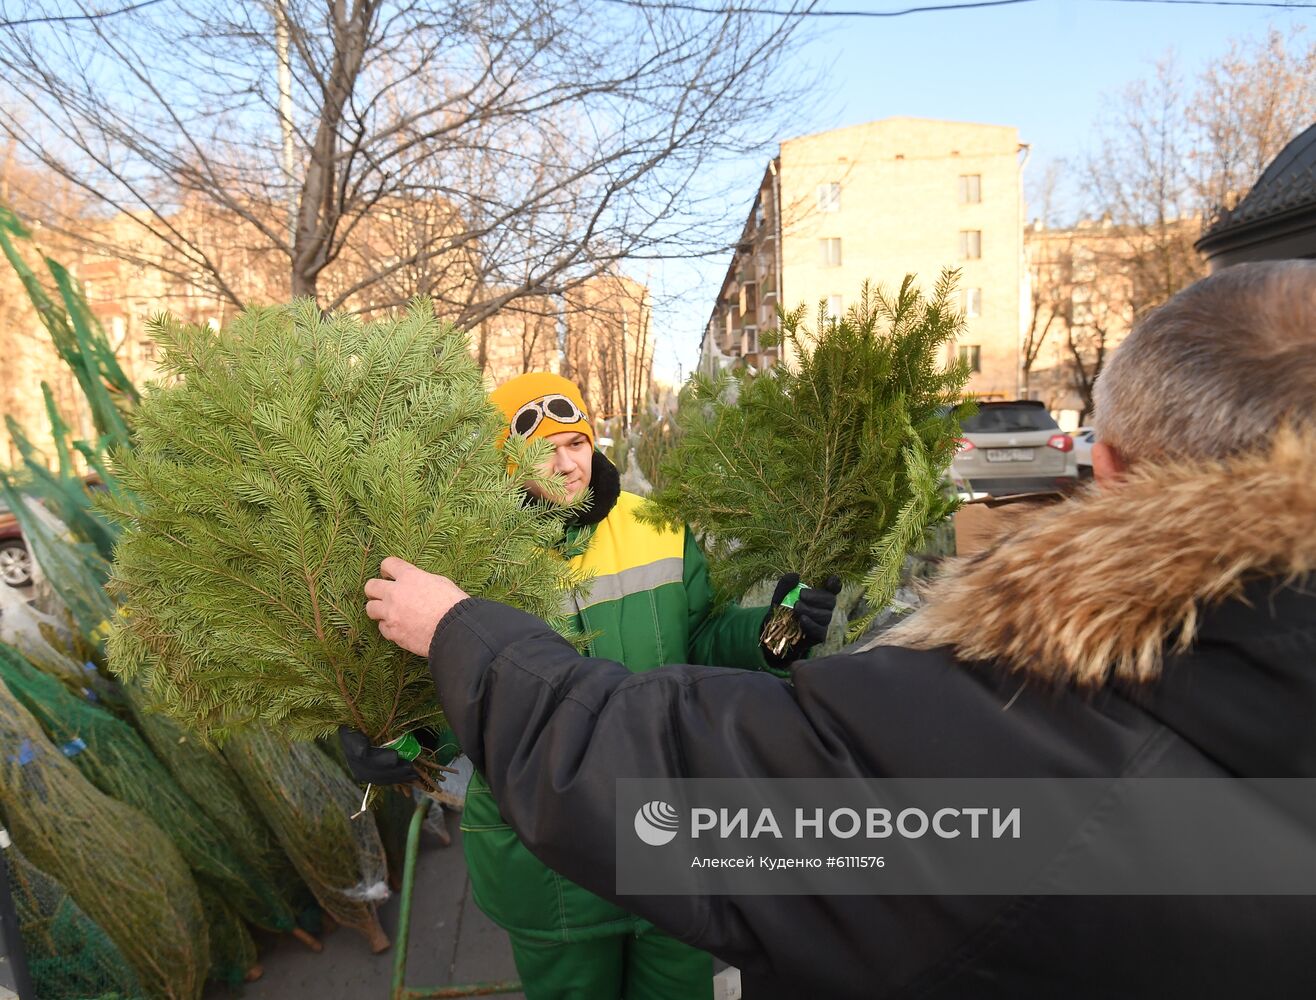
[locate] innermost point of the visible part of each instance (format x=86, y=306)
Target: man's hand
x=408, y=603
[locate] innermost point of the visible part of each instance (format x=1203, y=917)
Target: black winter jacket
x=1207, y=666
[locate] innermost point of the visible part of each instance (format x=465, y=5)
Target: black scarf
x=605, y=488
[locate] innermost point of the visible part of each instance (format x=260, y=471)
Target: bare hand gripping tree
x=364, y=151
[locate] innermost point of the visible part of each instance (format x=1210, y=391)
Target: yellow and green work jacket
x=650, y=603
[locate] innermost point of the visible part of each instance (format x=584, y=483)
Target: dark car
x=1012, y=447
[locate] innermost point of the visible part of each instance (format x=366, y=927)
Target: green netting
x=116, y=760
x=63, y=491
x=68, y=956
x=210, y=781
x=232, y=950
x=116, y=864
x=75, y=332
x=309, y=802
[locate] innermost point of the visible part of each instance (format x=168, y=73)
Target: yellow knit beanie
x=538, y=404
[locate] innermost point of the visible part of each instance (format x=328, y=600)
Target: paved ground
x=451, y=942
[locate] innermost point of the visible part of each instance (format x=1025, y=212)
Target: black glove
x=373, y=765
x=813, y=607
x=813, y=610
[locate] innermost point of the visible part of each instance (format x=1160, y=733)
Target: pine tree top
x=274, y=467
x=808, y=467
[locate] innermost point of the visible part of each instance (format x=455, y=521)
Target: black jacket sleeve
x=552, y=731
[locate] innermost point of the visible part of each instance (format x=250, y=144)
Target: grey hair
x=1217, y=369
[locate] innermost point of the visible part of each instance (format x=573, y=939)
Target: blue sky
x=1046, y=67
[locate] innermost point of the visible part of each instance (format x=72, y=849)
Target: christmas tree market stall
x=198, y=622
x=103, y=825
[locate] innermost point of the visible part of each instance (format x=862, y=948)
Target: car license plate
x=1009, y=454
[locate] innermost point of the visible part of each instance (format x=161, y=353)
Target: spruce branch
x=829, y=464
x=272, y=470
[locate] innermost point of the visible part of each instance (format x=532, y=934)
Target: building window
x=970, y=189
x=970, y=244
x=835, y=305
x=971, y=355
x=749, y=303
x=971, y=302
x=146, y=350
x=830, y=251
x=829, y=197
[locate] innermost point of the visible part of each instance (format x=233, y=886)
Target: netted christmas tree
x=275, y=467
x=311, y=805
x=111, y=754
x=117, y=865
x=68, y=956
x=830, y=463
x=202, y=772
x=233, y=958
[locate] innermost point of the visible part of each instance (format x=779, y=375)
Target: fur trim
x=1099, y=586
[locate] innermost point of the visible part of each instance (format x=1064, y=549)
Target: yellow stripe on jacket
x=626, y=556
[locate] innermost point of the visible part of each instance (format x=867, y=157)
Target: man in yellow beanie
x=648, y=603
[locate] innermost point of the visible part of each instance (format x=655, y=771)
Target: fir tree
x=831, y=464
x=280, y=461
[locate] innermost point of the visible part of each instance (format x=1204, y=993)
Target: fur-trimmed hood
x=1104, y=585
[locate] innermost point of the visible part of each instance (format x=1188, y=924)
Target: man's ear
x=1108, y=465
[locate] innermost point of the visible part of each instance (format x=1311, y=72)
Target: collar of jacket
x=1104, y=585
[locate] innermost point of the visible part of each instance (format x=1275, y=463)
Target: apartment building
x=1087, y=285
x=875, y=202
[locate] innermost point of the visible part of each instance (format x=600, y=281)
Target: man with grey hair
x=1161, y=625
x=1217, y=372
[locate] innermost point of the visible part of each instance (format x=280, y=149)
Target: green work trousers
x=646, y=966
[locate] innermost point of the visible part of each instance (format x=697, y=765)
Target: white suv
x=1014, y=447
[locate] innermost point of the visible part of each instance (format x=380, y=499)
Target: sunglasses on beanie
x=556, y=407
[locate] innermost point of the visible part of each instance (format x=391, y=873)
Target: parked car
x=15, y=560
x=1014, y=446
x=1083, y=438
